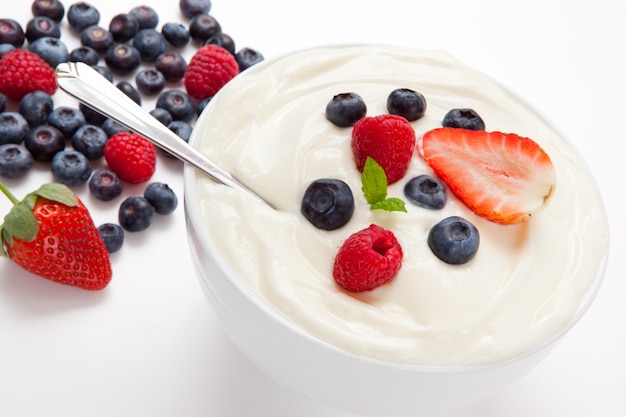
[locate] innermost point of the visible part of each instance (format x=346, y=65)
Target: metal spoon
x=88, y=86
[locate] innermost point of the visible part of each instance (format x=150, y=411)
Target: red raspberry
x=209, y=69
x=367, y=259
x=131, y=156
x=388, y=139
x=22, y=72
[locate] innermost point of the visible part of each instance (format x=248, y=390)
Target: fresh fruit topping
x=228, y=43
x=175, y=34
x=51, y=234
x=367, y=259
x=81, y=15
x=36, y=107
x=191, y=8
x=53, y=9
x=71, y=168
x=85, y=54
x=90, y=140
x=130, y=90
x=40, y=26
x=135, y=214
x=11, y=33
x=105, y=185
x=44, y=142
x=122, y=58
x=388, y=139
x=15, y=160
x=502, y=177
x=146, y=16
x=209, y=69
x=131, y=156
x=13, y=127
x=247, y=57
x=67, y=120
x=374, y=188
x=464, y=119
x=123, y=27
x=406, y=103
x=454, y=240
x=150, y=43
x=96, y=38
x=22, y=72
x=328, y=203
x=345, y=109
x=51, y=50
x=150, y=81
x=426, y=191
x=112, y=235
x=172, y=65
x=178, y=104
x=162, y=198
x=202, y=27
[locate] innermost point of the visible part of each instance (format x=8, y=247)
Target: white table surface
x=149, y=344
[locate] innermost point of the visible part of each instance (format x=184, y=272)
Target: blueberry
x=454, y=240
x=146, y=16
x=90, y=140
x=51, y=50
x=71, y=168
x=182, y=130
x=66, y=119
x=112, y=235
x=464, y=119
x=123, y=27
x=172, y=65
x=92, y=117
x=202, y=104
x=150, y=81
x=43, y=142
x=162, y=197
x=135, y=214
x=328, y=203
x=122, y=59
x=85, y=54
x=5, y=48
x=15, y=160
x=406, y=103
x=105, y=185
x=82, y=15
x=11, y=32
x=191, y=8
x=426, y=191
x=128, y=89
x=150, y=44
x=111, y=127
x=202, y=27
x=247, y=57
x=97, y=38
x=53, y=9
x=345, y=109
x=178, y=104
x=3, y=102
x=176, y=34
x=104, y=71
x=41, y=26
x=223, y=40
x=162, y=115
x=36, y=107
x=13, y=127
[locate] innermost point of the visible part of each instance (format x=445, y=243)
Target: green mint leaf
x=374, y=181
x=57, y=192
x=390, y=204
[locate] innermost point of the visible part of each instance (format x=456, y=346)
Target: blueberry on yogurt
x=454, y=240
x=328, y=203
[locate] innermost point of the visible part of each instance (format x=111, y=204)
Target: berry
x=176, y=34
x=150, y=81
x=345, y=109
x=71, y=168
x=146, y=16
x=328, y=203
x=104, y=71
x=367, y=259
x=111, y=127
x=22, y=72
x=464, y=119
x=11, y=32
x=105, y=185
x=406, y=103
x=161, y=115
x=130, y=156
x=15, y=160
x=123, y=27
x=135, y=214
x=502, y=177
x=150, y=44
x=97, y=38
x=85, y=54
x=5, y=48
x=172, y=65
x=112, y=235
x=388, y=139
x=53, y=9
x=92, y=117
x=51, y=50
x=67, y=120
x=202, y=105
x=90, y=140
x=43, y=142
x=223, y=40
x=122, y=59
x=454, y=240
x=36, y=107
x=247, y=57
x=191, y=8
x=3, y=103
x=178, y=104
x=128, y=89
x=209, y=69
x=57, y=240
x=182, y=130
x=162, y=198
x=426, y=191
x=13, y=127
x=202, y=27
x=40, y=26
x=82, y=15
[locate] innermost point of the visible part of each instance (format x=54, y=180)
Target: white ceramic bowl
x=305, y=363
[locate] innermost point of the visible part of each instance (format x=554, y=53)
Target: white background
x=149, y=344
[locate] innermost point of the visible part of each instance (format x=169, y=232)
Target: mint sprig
x=374, y=188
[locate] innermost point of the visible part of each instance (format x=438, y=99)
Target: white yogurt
x=526, y=283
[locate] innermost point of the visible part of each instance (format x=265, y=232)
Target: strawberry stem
x=6, y=192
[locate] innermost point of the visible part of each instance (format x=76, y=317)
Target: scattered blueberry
x=176, y=34
x=150, y=44
x=92, y=117
x=15, y=160
x=122, y=59
x=135, y=214
x=105, y=185
x=328, y=203
x=85, y=54
x=162, y=197
x=40, y=26
x=53, y=9
x=90, y=140
x=104, y=71
x=5, y=48
x=202, y=104
x=51, y=50
x=345, y=109
x=111, y=127
x=162, y=115
x=182, y=130
x=71, y=168
x=172, y=65
x=82, y=15
x=150, y=81
x=43, y=142
x=66, y=119
x=112, y=235
x=454, y=240
x=426, y=191
x=3, y=102
x=97, y=38
x=36, y=107
x=202, y=27
x=128, y=89
x=464, y=119
x=406, y=103
x=178, y=104
x=11, y=32
x=13, y=127
x=223, y=40
x=191, y=8
x=123, y=27
x=247, y=57
x=146, y=16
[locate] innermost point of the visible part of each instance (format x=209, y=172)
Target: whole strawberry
x=368, y=259
x=387, y=139
x=131, y=156
x=22, y=72
x=209, y=69
x=50, y=233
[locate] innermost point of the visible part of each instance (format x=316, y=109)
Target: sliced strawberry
x=502, y=177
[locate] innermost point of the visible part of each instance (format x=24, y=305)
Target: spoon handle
x=88, y=86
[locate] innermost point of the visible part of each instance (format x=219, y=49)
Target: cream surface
x=527, y=282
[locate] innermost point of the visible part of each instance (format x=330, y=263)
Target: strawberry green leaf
x=57, y=192
x=390, y=204
x=374, y=181
x=20, y=223
x=2, y=239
